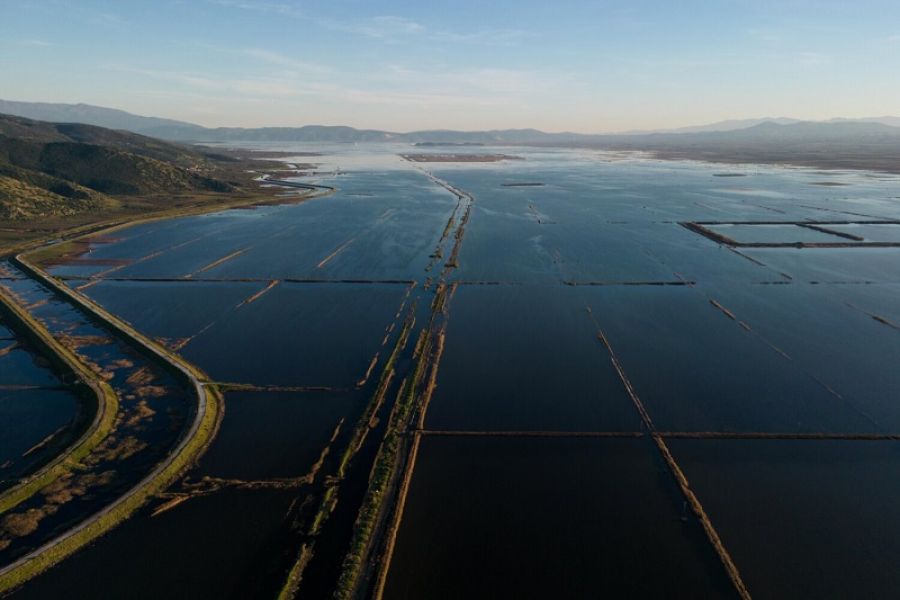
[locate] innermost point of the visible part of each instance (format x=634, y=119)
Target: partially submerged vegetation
x=396, y=455
x=190, y=446
x=365, y=424
x=103, y=403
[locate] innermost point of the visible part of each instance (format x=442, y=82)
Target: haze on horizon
x=398, y=65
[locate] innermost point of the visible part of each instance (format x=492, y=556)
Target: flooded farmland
x=563, y=376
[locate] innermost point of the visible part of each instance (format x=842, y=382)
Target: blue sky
x=592, y=66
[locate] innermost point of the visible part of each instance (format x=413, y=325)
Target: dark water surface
x=285, y=430
x=236, y=542
x=28, y=419
x=153, y=411
x=567, y=294
x=548, y=518
x=526, y=358
x=803, y=518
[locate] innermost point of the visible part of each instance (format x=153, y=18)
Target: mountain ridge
x=183, y=131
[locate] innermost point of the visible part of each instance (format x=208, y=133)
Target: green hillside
x=58, y=169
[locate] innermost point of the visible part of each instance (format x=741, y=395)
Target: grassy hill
x=59, y=169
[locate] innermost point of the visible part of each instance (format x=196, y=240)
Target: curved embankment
x=105, y=402
x=182, y=456
x=202, y=429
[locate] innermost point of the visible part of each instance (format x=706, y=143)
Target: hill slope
x=63, y=168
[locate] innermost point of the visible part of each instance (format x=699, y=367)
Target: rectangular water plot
x=803, y=234
x=277, y=435
x=850, y=351
x=526, y=358
x=170, y=311
x=697, y=369
x=301, y=334
x=233, y=543
x=744, y=234
x=831, y=265
x=682, y=256
x=888, y=233
x=803, y=518
x=504, y=243
x=494, y=517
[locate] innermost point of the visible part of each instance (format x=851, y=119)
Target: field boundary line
x=680, y=478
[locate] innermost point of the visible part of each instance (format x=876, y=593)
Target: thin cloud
x=182, y=77
x=276, y=58
x=390, y=28
x=811, y=59
x=36, y=43
x=384, y=27
x=111, y=20
x=284, y=9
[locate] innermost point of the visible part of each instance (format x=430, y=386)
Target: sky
x=563, y=65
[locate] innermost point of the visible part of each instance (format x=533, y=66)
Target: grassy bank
x=101, y=398
x=396, y=455
x=54, y=239
x=179, y=460
x=364, y=425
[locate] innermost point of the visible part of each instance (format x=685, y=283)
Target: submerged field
x=566, y=375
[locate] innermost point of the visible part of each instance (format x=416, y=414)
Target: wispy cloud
x=281, y=8
x=399, y=29
x=182, y=77
x=387, y=28
x=394, y=85
x=384, y=27
x=107, y=19
x=812, y=59
x=277, y=58
x=36, y=43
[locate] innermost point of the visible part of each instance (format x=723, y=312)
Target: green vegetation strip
x=387, y=374
x=387, y=465
x=295, y=575
x=105, y=399
x=383, y=471
x=189, y=448
x=394, y=525
x=365, y=423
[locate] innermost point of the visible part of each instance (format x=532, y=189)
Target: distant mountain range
x=169, y=129
x=735, y=124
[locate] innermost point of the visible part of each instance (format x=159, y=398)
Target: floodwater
x=583, y=306
x=803, y=518
x=569, y=385
x=153, y=411
x=235, y=545
x=28, y=418
x=547, y=518
x=286, y=430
